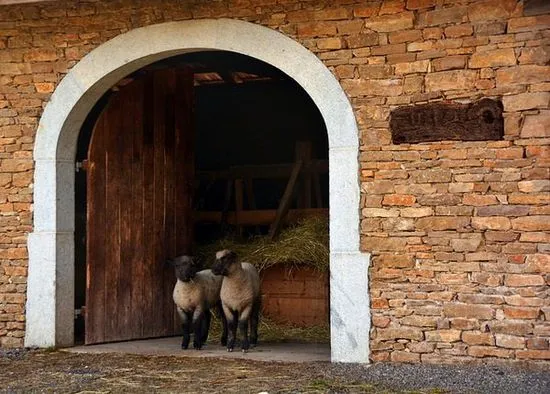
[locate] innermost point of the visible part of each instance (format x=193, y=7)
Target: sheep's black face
x=224, y=260
x=185, y=267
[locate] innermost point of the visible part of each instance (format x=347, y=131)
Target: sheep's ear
x=232, y=256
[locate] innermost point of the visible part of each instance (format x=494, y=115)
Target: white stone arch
x=50, y=290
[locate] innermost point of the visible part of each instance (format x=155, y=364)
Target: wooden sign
x=479, y=121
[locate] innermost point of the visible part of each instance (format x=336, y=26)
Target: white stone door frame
x=50, y=289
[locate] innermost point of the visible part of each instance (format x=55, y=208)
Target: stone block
x=478, y=338
x=524, y=74
x=520, y=280
x=468, y=311
x=392, y=22
x=525, y=101
x=532, y=223
x=449, y=62
x=411, y=333
x=451, y=80
x=446, y=336
x=495, y=58
x=536, y=125
x=516, y=312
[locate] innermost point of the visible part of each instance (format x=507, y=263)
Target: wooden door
x=139, y=212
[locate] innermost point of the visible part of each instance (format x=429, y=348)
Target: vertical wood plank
x=148, y=151
x=226, y=202
x=239, y=204
x=170, y=201
x=317, y=188
x=126, y=278
x=184, y=173
x=159, y=213
x=249, y=185
x=95, y=235
x=137, y=231
x=113, y=139
x=303, y=152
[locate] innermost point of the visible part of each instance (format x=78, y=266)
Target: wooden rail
x=267, y=171
x=256, y=217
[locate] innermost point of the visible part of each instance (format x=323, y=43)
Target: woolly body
x=240, y=297
x=241, y=288
x=195, y=293
x=200, y=292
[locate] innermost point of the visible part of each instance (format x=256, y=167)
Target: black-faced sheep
x=195, y=293
x=240, y=296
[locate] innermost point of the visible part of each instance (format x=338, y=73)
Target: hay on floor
x=270, y=331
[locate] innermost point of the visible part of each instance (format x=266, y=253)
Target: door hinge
x=81, y=165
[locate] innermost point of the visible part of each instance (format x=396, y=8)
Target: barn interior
x=259, y=167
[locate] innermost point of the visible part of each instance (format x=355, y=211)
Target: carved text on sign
x=479, y=121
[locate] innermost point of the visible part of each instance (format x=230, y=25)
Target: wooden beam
x=256, y=217
x=230, y=77
x=284, y=206
x=267, y=171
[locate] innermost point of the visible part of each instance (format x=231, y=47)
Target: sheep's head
x=225, y=263
x=185, y=266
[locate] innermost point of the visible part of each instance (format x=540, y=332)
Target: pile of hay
x=304, y=244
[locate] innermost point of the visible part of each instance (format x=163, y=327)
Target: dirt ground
x=64, y=372
x=59, y=371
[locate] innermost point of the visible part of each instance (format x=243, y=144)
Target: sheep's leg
x=221, y=314
x=198, y=326
x=244, y=319
x=185, y=325
x=254, y=320
x=231, y=317
x=206, y=326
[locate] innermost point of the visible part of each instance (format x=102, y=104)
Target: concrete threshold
x=281, y=352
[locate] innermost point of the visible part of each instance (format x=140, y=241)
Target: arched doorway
x=50, y=292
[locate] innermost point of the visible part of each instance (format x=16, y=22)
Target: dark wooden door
x=139, y=212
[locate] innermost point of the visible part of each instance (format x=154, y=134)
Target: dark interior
x=246, y=113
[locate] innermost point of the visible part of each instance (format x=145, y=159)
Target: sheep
x=240, y=297
x=195, y=293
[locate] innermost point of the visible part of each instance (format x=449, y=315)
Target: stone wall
x=459, y=231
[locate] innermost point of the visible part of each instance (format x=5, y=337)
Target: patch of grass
x=324, y=385
x=320, y=384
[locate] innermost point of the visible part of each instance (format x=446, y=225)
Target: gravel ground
x=23, y=371
x=452, y=378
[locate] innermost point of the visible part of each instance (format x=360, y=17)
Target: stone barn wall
x=459, y=231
